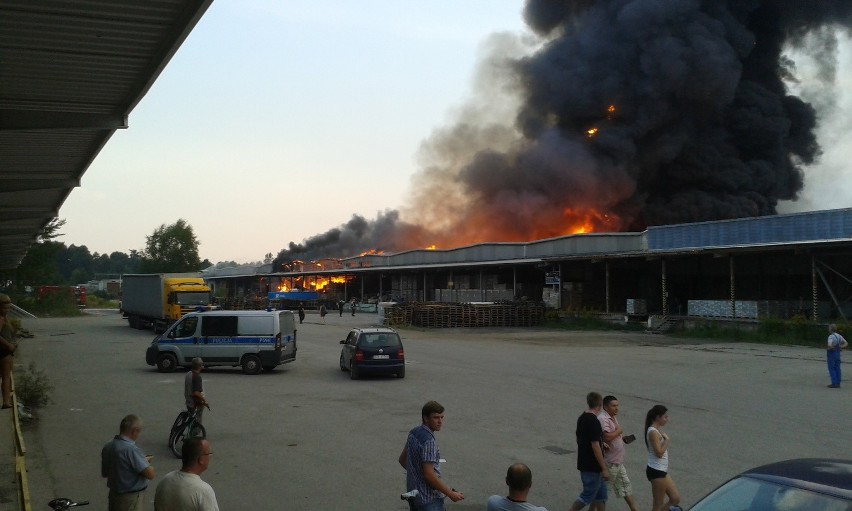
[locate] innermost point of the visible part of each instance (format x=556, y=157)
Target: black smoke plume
x=626, y=114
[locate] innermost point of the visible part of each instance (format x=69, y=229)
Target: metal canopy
x=71, y=71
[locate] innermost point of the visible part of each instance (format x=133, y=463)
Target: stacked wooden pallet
x=446, y=315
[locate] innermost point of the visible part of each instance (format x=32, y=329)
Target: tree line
x=170, y=248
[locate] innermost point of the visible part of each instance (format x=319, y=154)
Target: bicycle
x=63, y=504
x=186, y=425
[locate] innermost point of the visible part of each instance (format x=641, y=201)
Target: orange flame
x=591, y=220
x=591, y=132
x=432, y=247
x=372, y=251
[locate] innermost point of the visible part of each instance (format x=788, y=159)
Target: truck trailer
x=159, y=299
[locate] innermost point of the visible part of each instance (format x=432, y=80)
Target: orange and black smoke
x=628, y=113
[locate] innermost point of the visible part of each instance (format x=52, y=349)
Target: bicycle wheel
x=176, y=441
x=195, y=429
x=180, y=421
x=198, y=430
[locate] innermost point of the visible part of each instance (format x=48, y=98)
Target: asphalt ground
x=306, y=437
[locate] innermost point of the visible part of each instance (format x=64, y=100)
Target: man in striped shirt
x=421, y=460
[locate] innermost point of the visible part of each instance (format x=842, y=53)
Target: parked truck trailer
x=159, y=299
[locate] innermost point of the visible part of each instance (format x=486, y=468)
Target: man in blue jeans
x=590, y=459
x=836, y=342
x=421, y=460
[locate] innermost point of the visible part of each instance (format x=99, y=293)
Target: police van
x=252, y=339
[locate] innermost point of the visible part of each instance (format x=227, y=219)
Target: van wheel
x=251, y=364
x=166, y=363
x=353, y=371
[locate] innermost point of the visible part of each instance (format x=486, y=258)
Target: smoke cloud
x=617, y=115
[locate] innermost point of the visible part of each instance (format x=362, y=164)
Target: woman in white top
x=657, y=443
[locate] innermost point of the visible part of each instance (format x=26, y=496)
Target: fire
x=583, y=222
x=372, y=251
x=283, y=288
x=610, y=114
x=432, y=247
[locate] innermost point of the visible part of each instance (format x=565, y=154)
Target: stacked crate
x=446, y=315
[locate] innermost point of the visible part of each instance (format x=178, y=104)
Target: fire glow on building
x=615, y=115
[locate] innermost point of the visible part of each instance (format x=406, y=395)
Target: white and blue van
x=253, y=339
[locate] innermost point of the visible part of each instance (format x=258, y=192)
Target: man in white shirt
x=183, y=490
x=519, y=480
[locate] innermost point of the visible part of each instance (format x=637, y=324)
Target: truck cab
x=183, y=296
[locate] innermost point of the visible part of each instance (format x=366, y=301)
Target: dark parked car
x=793, y=485
x=373, y=351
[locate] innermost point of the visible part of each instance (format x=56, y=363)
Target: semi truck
x=159, y=299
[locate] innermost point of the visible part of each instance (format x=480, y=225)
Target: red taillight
x=400, y=355
x=278, y=341
x=359, y=356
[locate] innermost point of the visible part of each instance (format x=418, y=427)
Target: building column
x=814, y=295
x=606, y=291
x=733, y=287
x=664, y=290
x=514, y=283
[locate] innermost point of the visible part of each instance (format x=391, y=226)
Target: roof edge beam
x=59, y=120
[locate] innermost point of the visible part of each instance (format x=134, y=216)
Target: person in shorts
x=657, y=471
x=590, y=460
x=613, y=435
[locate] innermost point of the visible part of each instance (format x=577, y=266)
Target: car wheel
x=251, y=364
x=342, y=365
x=401, y=373
x=166, y=362
x=353, y=371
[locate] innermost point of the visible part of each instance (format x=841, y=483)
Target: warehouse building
x=778, y=266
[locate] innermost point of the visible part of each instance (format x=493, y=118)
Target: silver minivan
x=252, y=339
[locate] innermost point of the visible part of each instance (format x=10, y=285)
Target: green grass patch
x=58, y=305
x=97, y=302
x=797, y=331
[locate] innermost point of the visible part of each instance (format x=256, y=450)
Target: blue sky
x=277, y=120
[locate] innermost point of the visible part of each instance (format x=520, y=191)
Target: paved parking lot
x=306, y=437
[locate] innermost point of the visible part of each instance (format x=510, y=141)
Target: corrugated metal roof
x=70, y=73
x=792, y=228
x=778, y=232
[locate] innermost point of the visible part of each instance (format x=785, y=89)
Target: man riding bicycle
x=193, y=389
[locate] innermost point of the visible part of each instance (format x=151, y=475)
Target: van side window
x=186, y=328
x=219, y=326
